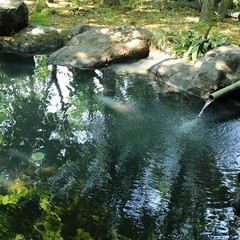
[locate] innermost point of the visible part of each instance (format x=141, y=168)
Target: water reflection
x=16, y=66
x=101, y=155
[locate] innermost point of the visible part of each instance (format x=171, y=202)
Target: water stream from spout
x=204, y=107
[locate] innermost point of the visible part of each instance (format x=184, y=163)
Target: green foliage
x=132, y=3
x=160, y=4
x=75, y=3
x=165, y=4
x=190, y=46
x=236, y=3
x=49, y=225
x=81, y=235
x=40, y=5
x=193, y=45
x=40, y=13
x=41, y=18
x=13, y=197
x=109, y=3
x=46, y=223
x=19, y=237
x=162, y=40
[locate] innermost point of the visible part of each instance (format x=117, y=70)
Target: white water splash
x=188, y=125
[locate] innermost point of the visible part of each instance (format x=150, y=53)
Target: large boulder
x=218, y=68
x=13, y=16
x=98, y=46
x=32, y=40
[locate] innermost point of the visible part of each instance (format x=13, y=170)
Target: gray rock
x=173, y=75
x=13, y=16
x=99, y=46
x=79, y=29
x=218, y=68
x=32, y=40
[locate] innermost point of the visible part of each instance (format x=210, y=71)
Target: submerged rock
x=99, y=46
x=13, y=16
x=218, y=68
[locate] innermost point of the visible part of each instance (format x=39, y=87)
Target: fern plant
x=194, y=45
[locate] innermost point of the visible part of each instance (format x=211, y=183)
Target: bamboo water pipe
x=225, y=91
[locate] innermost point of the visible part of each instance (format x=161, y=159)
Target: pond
x=101, y=154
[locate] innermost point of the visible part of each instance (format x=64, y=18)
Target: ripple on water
x=217, y=223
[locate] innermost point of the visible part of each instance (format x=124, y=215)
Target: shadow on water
x=15, y=66
x=102, y=155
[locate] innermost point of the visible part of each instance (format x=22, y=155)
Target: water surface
x=102, y=155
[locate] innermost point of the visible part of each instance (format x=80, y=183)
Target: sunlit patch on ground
x=192, y=19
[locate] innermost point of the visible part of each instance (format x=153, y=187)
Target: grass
x=152, y=15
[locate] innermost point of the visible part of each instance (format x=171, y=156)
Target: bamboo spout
x=225, y=91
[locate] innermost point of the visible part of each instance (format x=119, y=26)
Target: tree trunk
x=223, y=7
x=207, y=12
